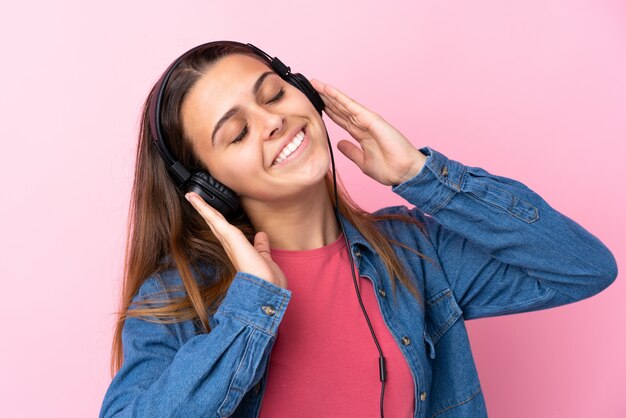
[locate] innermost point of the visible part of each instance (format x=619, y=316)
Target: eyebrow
x=235, y=109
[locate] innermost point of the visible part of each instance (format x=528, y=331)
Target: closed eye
x=244, y=131
x=279, y=96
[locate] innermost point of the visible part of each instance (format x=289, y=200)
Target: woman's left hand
x=384, y=153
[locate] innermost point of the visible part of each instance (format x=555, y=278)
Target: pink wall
x=532, y=90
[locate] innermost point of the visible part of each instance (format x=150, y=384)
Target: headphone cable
x=382, y=369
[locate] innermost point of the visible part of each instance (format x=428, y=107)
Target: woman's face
x=241, y=147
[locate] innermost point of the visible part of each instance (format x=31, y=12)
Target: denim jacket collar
x=353, y=235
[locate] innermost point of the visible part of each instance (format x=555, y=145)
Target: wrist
x=419, y=160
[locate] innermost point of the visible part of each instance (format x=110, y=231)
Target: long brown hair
x=164, y=231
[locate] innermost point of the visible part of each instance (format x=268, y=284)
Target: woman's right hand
x=250, y=259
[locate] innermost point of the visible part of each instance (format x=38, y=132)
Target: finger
x=359, y=121
x=329, y=102
x=337, y=118
x=262, y=245
x=206, y=210
x=262, y=242
x=354, y=153
x=317, y=85
x=337, y=115
x=353, y=129
x=342, y=100
x=328, y=99
x=212, y=216
x=232, y=238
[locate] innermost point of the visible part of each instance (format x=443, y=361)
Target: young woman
x=248, y=308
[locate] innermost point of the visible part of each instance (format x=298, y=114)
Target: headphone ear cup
x=214, y=193
x=301, y=83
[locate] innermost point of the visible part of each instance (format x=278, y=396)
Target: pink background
x=532, y=90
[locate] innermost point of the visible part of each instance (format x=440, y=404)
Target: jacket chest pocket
x=442, y=311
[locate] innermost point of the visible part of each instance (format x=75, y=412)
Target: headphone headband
x=179, y=172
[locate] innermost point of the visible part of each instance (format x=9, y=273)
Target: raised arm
x=502, y=247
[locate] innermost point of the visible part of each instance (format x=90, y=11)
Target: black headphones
x=201, y=182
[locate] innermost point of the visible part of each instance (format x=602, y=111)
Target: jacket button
x=257, y=387
x=444, y=171
x=269, y=310
x=423, y=396
x=382, y=293
x=406, y=340
x=357, y=253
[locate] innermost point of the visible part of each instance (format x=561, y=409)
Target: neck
x=305, y=222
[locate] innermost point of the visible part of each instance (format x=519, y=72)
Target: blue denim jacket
x=496, y=248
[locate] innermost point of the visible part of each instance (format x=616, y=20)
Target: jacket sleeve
x=502, y=248
x=208, y=374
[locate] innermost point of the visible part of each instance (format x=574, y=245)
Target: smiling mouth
x=291, y=148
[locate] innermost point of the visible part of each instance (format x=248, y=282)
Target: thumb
x=354, y=153
x=262, y=244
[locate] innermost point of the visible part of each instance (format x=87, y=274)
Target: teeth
x=290, y=147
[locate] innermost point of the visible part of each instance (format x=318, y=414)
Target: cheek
x=305, y=104
x=237, y=171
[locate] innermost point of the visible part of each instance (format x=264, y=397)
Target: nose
x=273, y=124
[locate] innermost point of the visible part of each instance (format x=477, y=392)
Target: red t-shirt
x=324, y=362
